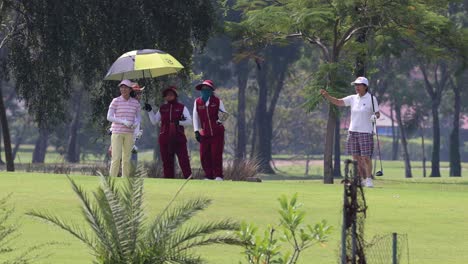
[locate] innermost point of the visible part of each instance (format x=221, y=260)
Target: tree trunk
x=435, y=92
x=73, y=149
x=263, y=124
x=6, y=134
x=395, y=135
x=455, y=162
x=19, y=140
x=40, y=147
x=337, y=151
x=242, y=77
x=254, y=136
x=423, y=152
x=307, y=165
x=263, y=148
x=404, y=143
x=1, y=160
x=435, y=168
x=327, y=156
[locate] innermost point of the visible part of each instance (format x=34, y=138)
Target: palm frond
x=172, y=219
x=205, y=241
x=132, y=200
x=194, y=235
x=73, y=229
x=94, y=218
x=178, y=258
x=115, y=217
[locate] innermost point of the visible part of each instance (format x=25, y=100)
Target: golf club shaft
x=375, y=157
x=378, y=147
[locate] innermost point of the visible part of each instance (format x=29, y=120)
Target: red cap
x=171, y=88
x=137, y=88
x=207, y=83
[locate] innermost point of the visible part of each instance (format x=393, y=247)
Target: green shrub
x=266, y=248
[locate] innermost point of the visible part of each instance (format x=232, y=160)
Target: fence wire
x=354, y=248
x=380, y=250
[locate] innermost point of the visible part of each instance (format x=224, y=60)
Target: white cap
x=361, y=80
x=127, y=83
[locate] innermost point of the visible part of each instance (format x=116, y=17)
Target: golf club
x=380, y=172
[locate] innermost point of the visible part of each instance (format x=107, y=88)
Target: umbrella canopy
x=147, y=63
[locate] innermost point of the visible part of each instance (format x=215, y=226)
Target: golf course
x=431, y=211
x=233, y=132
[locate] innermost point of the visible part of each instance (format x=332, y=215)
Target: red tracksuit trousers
x=211, y=155
x=168, y=151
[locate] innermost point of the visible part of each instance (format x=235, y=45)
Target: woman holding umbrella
x=124, y=113
x=209, y=130
x=173, y=116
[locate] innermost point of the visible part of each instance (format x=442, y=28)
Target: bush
x=241, y=170
x=265, y=249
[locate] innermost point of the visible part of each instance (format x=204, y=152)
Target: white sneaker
x=219, y=179
x=369, y=183
x=362, y=182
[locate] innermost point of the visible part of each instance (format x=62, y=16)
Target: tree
x=122, y=234
x=66, y=41
x=435, y=88
x=242, y=70
x=6, y=133
x=404, y=101
x=271, y=77
x=8, y=27
x=457, y=13
x=73, y=148
x=332, y=27
x=455, y=159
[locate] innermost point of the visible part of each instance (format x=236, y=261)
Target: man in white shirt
x=364, y=112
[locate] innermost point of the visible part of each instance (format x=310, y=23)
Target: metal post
x=354, y=243
x=395, y=248
x=343, y=229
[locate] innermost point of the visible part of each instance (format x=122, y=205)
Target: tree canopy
x=65, y=41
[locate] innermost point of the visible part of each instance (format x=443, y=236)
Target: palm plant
x=121, y=233
x=8, y=235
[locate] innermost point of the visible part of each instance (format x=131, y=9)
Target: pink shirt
x=125, y=110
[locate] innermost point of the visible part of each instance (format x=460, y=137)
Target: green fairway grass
x=431, y=211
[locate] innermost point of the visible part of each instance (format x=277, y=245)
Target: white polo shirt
x=361, y=112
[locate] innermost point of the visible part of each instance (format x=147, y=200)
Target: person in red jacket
x=209, y=130
x=172, y=141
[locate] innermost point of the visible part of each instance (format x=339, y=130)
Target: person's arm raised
x=331, y=99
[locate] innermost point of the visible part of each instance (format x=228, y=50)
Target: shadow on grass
x=285, y=177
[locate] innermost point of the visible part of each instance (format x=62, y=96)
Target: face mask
x=206, y=94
